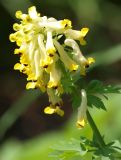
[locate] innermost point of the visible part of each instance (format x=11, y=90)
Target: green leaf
x=111, y=151
x=67, y=81
x=117, y=146
x=66, y=150
x=112, y=89
x=67, y=85
x=95, y=101
x=72, y=145
x=96, y=86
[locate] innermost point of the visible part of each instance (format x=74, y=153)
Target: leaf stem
x=96, y=132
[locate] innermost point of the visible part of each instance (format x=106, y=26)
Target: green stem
x=96, y=132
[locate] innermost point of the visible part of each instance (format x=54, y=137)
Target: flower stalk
x=95, y=130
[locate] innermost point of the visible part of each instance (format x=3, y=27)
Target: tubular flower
x=77, y=35
x=43, y=57
x=78, y=56
x=82, y=110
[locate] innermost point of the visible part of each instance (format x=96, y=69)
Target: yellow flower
x=86, y=64
x=31, y=76
x=16, y=26
x=83, y=33
x=31, y=85
x=33, y=13
x=38, y=70
x=80, y=124
x=12, y=37
x=19, y=66
x=55, y=76
x=90, y=60
x=56, y=25
x=19, y=51
x=53, y=109
x=77, y=35
x=49, y=44
x=24, y=17
x=66, y=23
x=68, y=62
x=82, y=110
x=24, y=59
x=36, y=84
x=45, y=60
x=18, y=14
x=78, y=56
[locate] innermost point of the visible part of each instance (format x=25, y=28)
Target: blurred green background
x=25, y=132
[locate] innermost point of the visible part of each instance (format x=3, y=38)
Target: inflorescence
x=42, y=44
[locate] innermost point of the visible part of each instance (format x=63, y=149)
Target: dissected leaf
x=95, y=101
x=75, y=149
x=67, y=83
x=96, y=86
x=95, y=89
x=112, y=89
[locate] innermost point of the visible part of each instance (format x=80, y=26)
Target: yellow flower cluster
x=41, y=45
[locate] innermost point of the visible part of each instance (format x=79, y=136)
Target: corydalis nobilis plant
x=48, y=50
